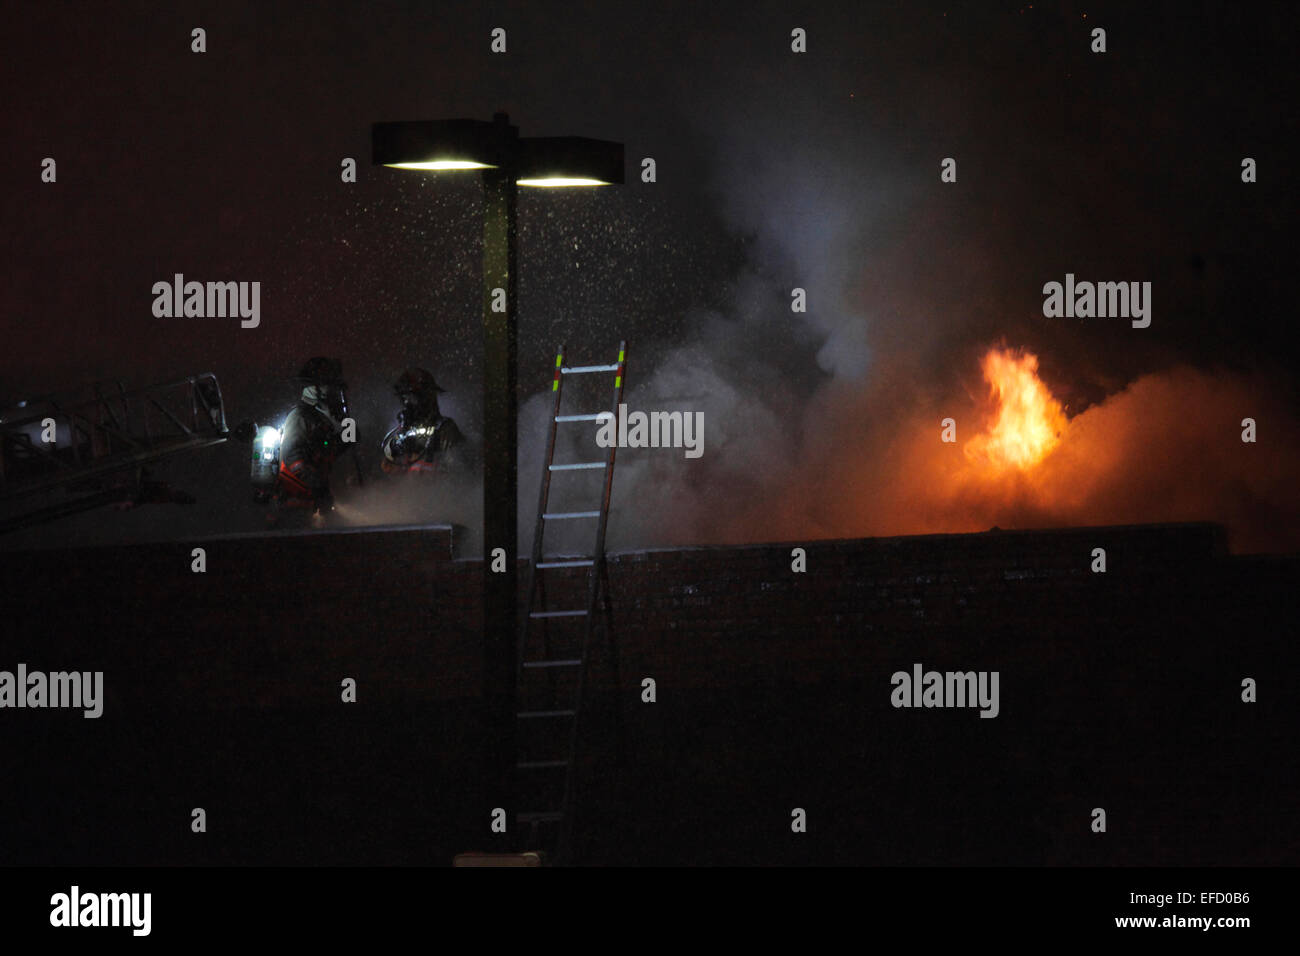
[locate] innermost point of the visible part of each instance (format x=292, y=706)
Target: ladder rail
x=542, y=499
x=105, y=432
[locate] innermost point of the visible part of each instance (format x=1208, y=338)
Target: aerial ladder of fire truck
x=66, y=453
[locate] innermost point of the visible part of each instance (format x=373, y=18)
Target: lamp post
x=505, y=161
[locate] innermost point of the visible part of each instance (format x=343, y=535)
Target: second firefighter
x=424, y=440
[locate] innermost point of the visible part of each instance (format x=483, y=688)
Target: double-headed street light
x=505, y=161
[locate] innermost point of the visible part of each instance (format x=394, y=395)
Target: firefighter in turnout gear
x=311, y=439
x=424, y=440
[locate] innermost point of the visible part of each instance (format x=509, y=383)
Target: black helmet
x=324, y=376
x=322, y=371
x=416, y=382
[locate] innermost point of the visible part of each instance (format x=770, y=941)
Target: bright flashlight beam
x=562, y=181
x=437, y=164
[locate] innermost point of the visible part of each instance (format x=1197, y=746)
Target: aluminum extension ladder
x=553, y=666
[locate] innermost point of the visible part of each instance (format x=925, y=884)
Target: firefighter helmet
x=322, y=371
x=416, y=382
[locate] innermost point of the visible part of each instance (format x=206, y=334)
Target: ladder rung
x=540, y=816
x=580, y=418
x=575, y=466
x=566, y=564
x=584, y=369
x=557, y=613
x=541, y=764
x=568, y=662
x=533, y=714
x=558, y=515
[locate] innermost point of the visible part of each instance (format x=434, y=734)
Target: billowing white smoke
x=826, y=423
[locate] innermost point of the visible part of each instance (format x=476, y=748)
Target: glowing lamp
x=553, y=181
x=437, y=145
x=437, y=165
x=551, y=161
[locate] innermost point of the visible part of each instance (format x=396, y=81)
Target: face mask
x=329, y=401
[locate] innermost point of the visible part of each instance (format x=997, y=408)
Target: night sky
x=775, y=170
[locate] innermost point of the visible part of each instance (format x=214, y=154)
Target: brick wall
x=1118, y=690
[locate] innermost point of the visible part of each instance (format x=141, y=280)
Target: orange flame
x=1029, y=421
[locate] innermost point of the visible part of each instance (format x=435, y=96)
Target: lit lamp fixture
x=551, y=161
x=440, y=164
x=505, y=161
x=441, y=144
